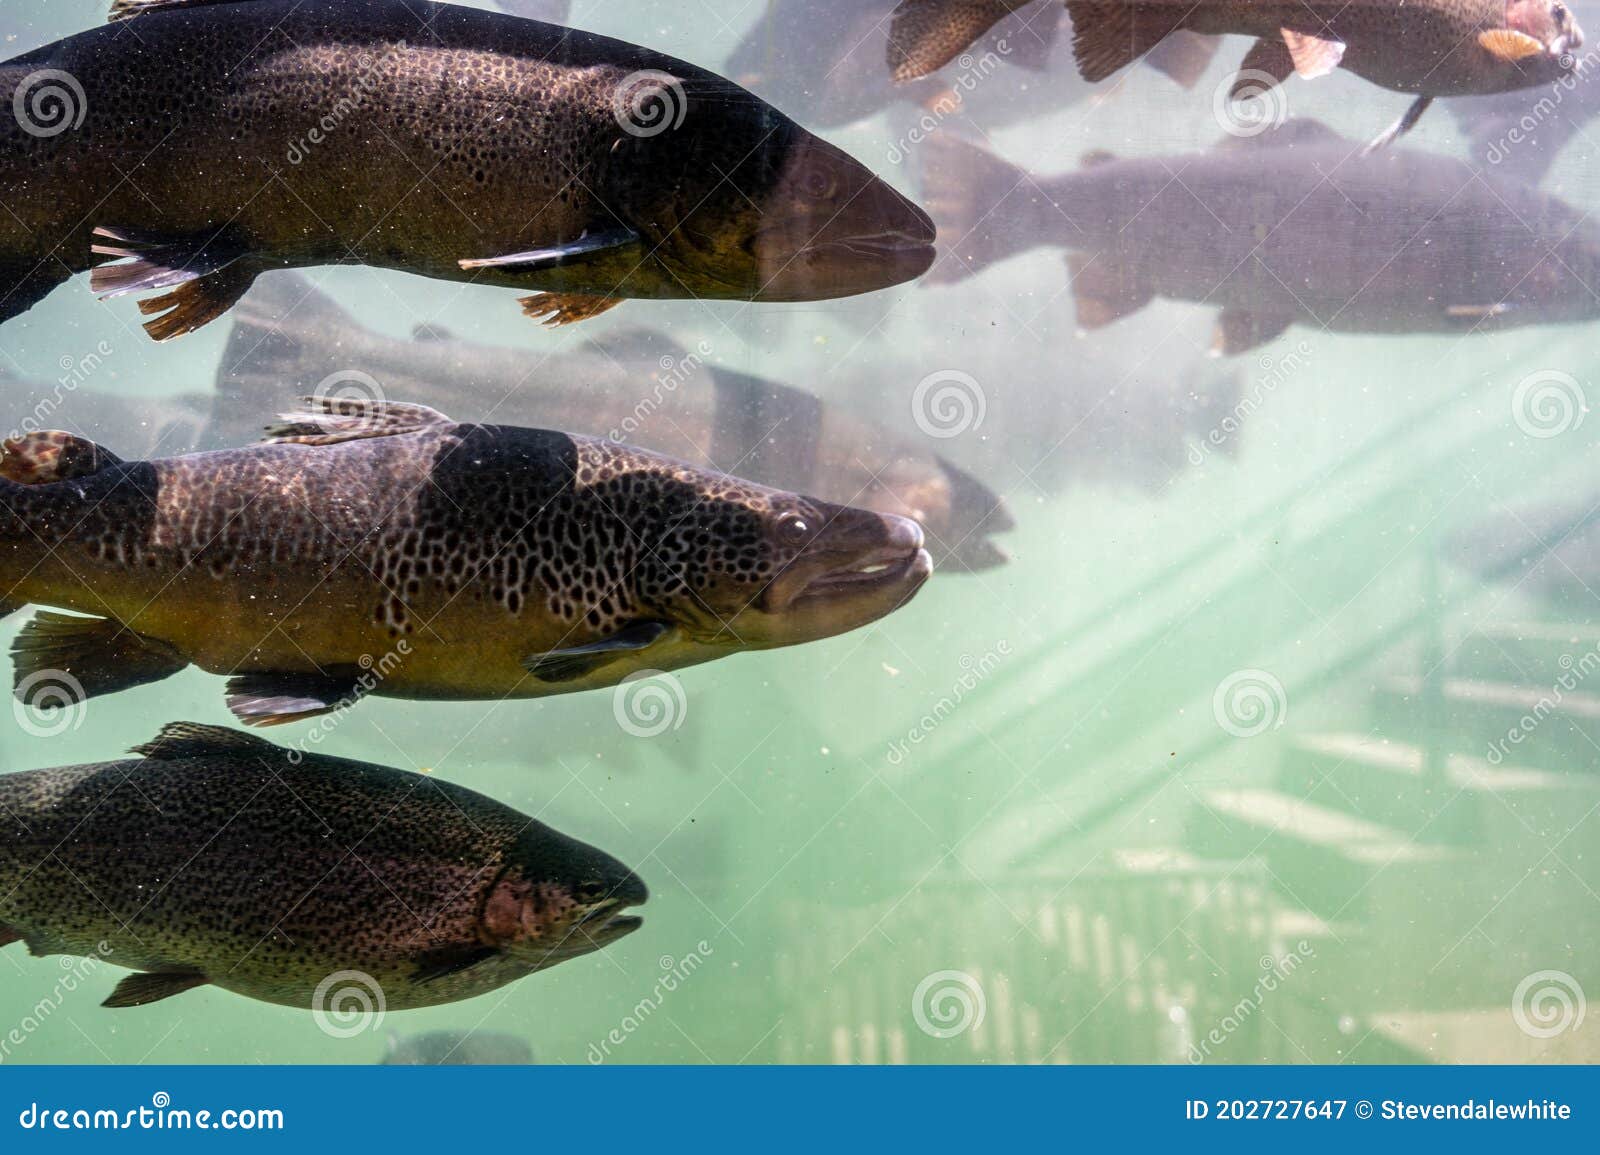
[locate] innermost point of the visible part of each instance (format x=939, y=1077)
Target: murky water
x=1277, y=738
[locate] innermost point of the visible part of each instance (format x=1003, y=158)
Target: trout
x=381, y=548
x=221, y=859
x=642, y=388
x=192, y=144
x=1426, y=48
x=1293, y=226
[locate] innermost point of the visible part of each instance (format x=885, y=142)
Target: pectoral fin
x=1238, y=331
x=1509, y=45
x=138, y=989
x=1408, y=121
x=449, y=960
x=556, y=256
x=1104, y=291
x=58, y=655
x=1312, y=55
x=204, y=276
x=565, y=308
x=277, y=699
x=575, y=662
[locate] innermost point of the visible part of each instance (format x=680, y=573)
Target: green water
x=1025, y=818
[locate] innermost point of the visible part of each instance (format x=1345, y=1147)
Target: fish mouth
x=602, y=926
x=886, y=568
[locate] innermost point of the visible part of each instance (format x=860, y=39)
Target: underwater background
x=1215, y=768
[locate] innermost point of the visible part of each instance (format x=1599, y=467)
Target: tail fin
x=1108, y=35
x=272, y=328
x=986, y=208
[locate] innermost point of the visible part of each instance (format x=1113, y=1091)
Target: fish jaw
x=832, y=229
x=861, y=567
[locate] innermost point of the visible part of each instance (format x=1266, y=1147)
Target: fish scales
x=266, y=871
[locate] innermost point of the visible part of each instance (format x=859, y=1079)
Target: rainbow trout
x=221, y=859
x=643, y=389
x=1297, y=225
x=377, y=547
x=1428, y=48
x=192, y=144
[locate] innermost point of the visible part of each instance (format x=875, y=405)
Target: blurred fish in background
x=1293, y=225
x=634, y=385
x=1550, y=549
x=838, y=78
x=458, y=1049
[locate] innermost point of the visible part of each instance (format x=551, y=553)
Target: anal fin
x=204, y=278
x=278, y=699
x=142, y=988
x=58, y=654
x=565, y=308
x=1104, y=291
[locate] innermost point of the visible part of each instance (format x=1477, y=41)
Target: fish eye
x=819, y=185
x=793, y=527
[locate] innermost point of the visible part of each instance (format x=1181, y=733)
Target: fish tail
x=1108, y=35
x=986, y=208
x=278, y=329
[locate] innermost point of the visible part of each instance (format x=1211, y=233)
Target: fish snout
x=833, y=229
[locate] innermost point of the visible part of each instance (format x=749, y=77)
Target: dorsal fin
x=194, y=740
x=52, y=455
x=128, y=9
x=332, y=420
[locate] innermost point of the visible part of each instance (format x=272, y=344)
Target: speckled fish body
x=205, y=141
x=462, y=561
x=222, y=859
x=639, y=387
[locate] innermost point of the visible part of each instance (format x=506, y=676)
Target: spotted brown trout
x=379, y=547
x=641, y=387
x=1428, y=48
x=220, y=859
x=191, y=144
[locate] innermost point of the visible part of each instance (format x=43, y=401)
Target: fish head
x=760, y=209
x=559, y=898
x=779, y=569
x=1552, y=24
